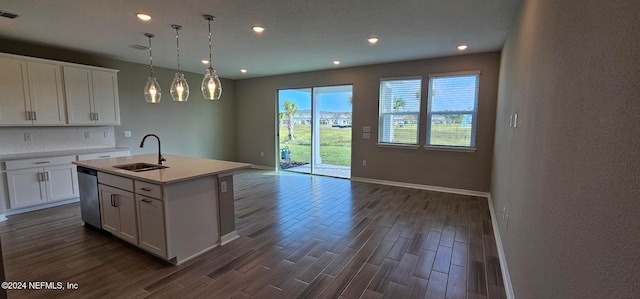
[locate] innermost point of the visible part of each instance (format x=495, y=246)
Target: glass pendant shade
x=211, y=87
x=152, y=91
x=179, y=88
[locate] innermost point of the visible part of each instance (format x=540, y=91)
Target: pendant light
x=152, y=91
x=179, y=86
x=211, y=87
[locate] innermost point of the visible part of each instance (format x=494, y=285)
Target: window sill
x=450, y=148
x=398, y=145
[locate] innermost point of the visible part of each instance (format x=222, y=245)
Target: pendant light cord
x=150, y=56
x=210, y=63
x=177, y=27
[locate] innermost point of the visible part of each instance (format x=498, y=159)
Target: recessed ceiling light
x=243, y=70
x=336, y=62
x=204, y=61
x=143, y=16
x=258, y=29
x=462, y=47
x=373, y=40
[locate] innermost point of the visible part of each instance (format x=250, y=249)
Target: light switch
x=366, y=135
x=223, y=187
x=127, y=134
x=366, y=129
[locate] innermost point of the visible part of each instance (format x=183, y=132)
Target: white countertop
x=180, y=168
x=61, y=153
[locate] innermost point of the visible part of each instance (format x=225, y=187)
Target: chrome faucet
x=161, y=159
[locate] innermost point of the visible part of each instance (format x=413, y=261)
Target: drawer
x=39, y=162
x=115, y=181
x=148, y=189
x=103, y=155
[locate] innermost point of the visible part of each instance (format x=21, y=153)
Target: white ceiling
x=300, y=35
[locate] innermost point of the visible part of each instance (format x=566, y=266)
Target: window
x=452, y=110
x=399, y=111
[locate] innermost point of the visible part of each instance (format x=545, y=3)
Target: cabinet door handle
x=34, y=115
x=112, y=203
x=115, y=200
x=28, y=113
x=46, y=175
x=40, y=177
x=97, y=116
x=145, y=189
x=146, y=200
x=104, y=157
x=41, y=162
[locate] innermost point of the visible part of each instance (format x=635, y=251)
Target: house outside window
x=452, y=110
x=399, y=111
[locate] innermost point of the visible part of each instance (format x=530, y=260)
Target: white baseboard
x=422, y=187
x=508, y=288
x=263, y=167
x=2, y=217
x=224, y=240
x=40, y=207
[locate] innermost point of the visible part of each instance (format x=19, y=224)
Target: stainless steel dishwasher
x=89, y=200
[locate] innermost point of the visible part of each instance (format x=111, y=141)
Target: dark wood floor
x=301, y=237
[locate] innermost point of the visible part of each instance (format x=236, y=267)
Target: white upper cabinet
x=43, y=92
x=14, y=95
x=31, y=93
x=92, y=96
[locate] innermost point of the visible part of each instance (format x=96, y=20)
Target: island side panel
x=227, y=209
x=191, y=212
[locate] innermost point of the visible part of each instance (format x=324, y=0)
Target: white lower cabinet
x=29, y=185
x=151, y=225
x=118, y=211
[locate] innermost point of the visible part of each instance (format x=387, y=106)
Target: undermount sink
x=140, y=167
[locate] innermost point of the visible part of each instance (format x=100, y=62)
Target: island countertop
x=179, y=168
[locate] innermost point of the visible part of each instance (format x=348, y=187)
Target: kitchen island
x=175, y=211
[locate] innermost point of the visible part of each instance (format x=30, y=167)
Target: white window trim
x=380, y=143
x=460, y=73
x=398, y=145
x=463, y=149
x=474, y=114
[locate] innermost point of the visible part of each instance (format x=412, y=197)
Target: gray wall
x=197, y=128
x=569, y=174
x=256, y=122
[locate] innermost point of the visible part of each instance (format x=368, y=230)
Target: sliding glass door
x=314, y=127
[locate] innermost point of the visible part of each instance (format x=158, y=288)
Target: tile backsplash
x=19, y=140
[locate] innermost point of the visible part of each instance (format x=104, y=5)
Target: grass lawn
x=335, y=144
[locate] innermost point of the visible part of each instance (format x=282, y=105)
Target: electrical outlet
x=261, y=154
x=107, y=135
x=364, y=162
x=223, y=187
x=127, y=134
x=27, y=136
x=366, y=129
x=87, y=135
x=366, y=135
